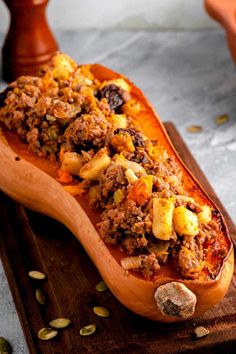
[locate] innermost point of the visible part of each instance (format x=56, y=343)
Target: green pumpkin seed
x=5, y=347
x=35, y=274
x=48, y=148
x=194, y=129
x=47, y=333
x=101, y=311
x=102, y=286
x=53, y=132
x=60, y=323
x=222, y=119
x=40, y=296
x=87, y=330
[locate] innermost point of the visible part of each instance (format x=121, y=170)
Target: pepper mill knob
x=29, y=42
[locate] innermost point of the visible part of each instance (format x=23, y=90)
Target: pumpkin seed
x=194, y=128
x=101, y=311
x=5, y=347
x=35, y=274
x=40, y=296
x=60, y=323
x=222, y=119
x=47, y=333
x=53, y=132
x=87, y=330
x=201, y=331
x=102, y=286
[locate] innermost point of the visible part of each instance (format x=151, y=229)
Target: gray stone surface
x=123, y=14
x=190, y=79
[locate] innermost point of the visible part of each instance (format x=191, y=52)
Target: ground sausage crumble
x=67, y=115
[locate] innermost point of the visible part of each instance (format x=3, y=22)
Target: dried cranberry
x=114, y=96
x=215, y=213
x=3, y=96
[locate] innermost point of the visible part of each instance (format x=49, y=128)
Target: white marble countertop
x=123, y=14
x=190, y=79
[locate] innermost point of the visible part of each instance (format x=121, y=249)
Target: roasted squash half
x=101, y=162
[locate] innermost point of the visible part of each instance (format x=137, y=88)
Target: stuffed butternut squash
x=83, y=145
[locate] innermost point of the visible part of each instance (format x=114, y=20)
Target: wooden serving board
x=32, y=241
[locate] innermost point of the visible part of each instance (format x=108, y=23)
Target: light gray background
x=125, y=14
x=190, y=79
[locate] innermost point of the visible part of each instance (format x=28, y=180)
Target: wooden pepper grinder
x=29, y=42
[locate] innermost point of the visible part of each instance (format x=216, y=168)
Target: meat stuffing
x=91, y=128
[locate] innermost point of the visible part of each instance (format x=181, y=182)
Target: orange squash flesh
x=26, y=181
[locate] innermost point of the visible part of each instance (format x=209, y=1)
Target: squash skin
x=37, y=190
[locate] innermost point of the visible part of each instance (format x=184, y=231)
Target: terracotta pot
x=29, y=42
x=224, y=11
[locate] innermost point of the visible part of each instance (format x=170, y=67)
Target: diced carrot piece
x=77, y=189
x=64, y=177
x=141, y=190
x=61, y=153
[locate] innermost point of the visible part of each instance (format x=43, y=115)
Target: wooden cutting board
x=32, y=241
